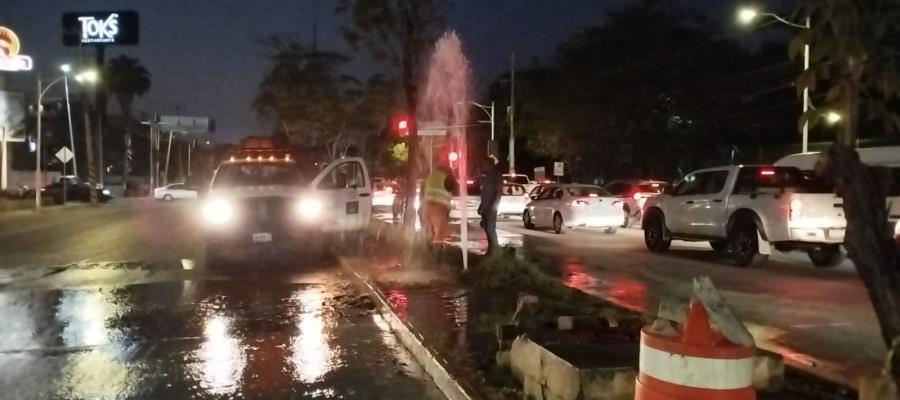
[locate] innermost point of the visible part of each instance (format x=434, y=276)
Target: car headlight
x=105, y=191
x=218, y=212
x=309, y=209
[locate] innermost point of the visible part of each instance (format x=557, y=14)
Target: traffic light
x=403, y=127
x=453, y=156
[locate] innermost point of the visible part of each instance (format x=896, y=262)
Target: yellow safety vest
x=435, y=190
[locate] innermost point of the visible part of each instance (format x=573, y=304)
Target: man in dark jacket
x=491, y=190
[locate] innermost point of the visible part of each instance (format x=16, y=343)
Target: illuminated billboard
x=100, y=28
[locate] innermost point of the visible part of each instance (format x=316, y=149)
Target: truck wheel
x=526, y=220
x=558, y=225
x=745, y=246
x=720, y=246
x=826, y=256
x=655, y=234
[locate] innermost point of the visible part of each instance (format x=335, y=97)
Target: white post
x=71, y=134
x=165, y=178
x=37, y=164
x=3, y=153
x=512, y=116
x=806, y=92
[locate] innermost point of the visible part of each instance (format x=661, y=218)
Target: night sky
x=206, y=61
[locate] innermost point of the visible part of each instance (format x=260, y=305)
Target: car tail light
x=636, y=196
x=796, y=209
x=580, y=203
x=767, y=172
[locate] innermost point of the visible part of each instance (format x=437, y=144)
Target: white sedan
x=563, y=206
x=174, y=191
x=513, y=200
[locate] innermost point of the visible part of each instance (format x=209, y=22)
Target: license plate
x=263, y=237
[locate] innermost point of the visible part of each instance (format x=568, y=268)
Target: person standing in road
x=439, y=188
x=491, y=190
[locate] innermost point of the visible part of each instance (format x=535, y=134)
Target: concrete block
x=525, y=358
x=532, y=388
x=768, y=371
x=878, y=387
x=562, y=380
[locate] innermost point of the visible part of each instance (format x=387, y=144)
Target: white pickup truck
x=745, y=211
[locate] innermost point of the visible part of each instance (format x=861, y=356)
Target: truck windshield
x=261, y=173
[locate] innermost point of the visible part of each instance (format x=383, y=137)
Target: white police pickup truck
x=262, y=204
x=745, y=211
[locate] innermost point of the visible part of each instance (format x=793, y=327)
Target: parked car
x=383, y=192
x=744, y=210
x=175, y=191
x=635, y=193
x=513, y=200
x=565, y=206
x=74, y=191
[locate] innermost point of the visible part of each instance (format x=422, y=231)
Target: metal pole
x=37, y=164
x=71, y=134
x=151, y=172
x=492, y=121
x=65, y=184
x=806, y=92
x=512, y=116
x=190, y=146
x=165, y=178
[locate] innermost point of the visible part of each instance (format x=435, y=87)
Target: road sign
x=64, y=154
x=432, y=128
x=558, y=168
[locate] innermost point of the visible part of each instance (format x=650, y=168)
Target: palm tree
x=126, y=79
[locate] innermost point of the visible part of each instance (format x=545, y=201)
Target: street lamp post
x=41, y=91
x=746, y=16
x=66, y=69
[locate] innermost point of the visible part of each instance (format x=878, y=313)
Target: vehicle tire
x=719, y=246
x=745, y=246
x=826, y=256
x=655, y=234
x=558, y=225
x=526, y=220
x=168, y=197
x=611, y=230
x=628, y=220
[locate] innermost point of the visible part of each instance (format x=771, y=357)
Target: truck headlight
x=218, y=211
x=309, y=209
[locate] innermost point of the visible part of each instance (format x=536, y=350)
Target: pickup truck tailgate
x=814, y=217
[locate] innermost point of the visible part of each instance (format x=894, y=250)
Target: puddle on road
x=193, y=339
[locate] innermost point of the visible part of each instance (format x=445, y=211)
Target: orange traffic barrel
x=697, y=363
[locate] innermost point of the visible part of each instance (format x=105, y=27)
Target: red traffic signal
x=402, y=126
x=453, y=156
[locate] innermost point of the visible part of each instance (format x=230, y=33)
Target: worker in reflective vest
x=439, y=188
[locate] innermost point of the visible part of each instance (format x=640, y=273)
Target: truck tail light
x=796, y=209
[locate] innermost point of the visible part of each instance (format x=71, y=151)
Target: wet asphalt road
x=115, y=303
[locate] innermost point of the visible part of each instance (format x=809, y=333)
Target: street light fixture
x=746, y=15
x=489, y=110
x=832, y=117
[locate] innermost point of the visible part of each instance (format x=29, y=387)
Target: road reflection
x=222, y=358
x=312, y=354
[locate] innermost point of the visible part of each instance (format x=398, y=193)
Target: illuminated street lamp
x=747, y=15
x=89, y=76
x=832, y=117
x=66, y=68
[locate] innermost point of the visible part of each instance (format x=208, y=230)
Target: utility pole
x=71, y=133
x=37, y=153
x=806, y=91
x=512, y=115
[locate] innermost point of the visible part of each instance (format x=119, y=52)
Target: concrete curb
x=412, y=341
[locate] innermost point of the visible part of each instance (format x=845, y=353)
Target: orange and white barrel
x=695, y=364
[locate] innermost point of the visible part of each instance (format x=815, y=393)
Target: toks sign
x=100, y=28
